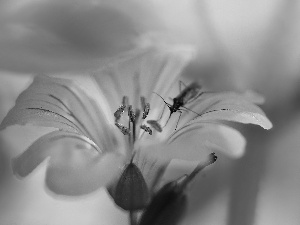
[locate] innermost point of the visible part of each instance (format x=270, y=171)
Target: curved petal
x=140, y=72
x=197, y=141
x=60, y=103
x=225, y=106
x=76, y=165
x=213, y=136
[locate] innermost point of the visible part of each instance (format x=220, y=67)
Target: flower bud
x=131, y=192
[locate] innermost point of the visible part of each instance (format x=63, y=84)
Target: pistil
x=133, y=119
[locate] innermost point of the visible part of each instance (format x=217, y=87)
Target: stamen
x=145, y=107
x=119, y=112
x=125, y=101
x=133, y=121
x=131, y=114
x=137, y=114
x=143, y=102
x=137, y=89
x=212, y=158
x=155, y=125
x=123, y=129
x=146, y=128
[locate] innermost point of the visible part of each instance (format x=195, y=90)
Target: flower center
x=134, y=119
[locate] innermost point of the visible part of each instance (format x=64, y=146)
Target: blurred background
x=240, y=45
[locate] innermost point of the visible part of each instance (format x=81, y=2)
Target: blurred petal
x=60, y=103
x=226, y=106
x=140, y=72
x=76, y=165
x=209, y=137
x=195, y=142
x=63, y=35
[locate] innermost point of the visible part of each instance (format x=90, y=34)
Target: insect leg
x=169, y=105
x=187, y=109
x=162, y=99
x=167, y=120
x=180, y=85
x=178, y=119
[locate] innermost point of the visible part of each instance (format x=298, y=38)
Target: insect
x=132, y=191
x=187, y=95
x=169, y=204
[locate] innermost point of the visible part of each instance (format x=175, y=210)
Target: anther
x=122, y=128
x=119, y=112
x=155, y=125
x=146, y=128
x=145, y=107
x=131, y=114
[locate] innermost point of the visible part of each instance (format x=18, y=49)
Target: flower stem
x=133, y=218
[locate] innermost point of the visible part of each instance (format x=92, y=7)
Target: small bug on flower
x=169, y=204
x=187, y=95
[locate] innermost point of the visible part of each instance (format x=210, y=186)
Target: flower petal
x=76, y=165
x=140, y=72
x=226, y=106
x=213, y=136
x=151, y=167
x=197, y=141
x=60, y=103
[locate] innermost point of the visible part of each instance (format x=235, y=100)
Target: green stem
x=133, y=218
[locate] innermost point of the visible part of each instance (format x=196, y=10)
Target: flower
x=88, y=149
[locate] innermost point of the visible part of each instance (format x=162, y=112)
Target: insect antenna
x=168, y=120
x=181, y=84
x=177, y=120
x=164, y=106
x=162, y=99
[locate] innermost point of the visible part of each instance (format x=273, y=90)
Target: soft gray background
x=241, y=44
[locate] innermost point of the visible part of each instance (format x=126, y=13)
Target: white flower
x=89, y=151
